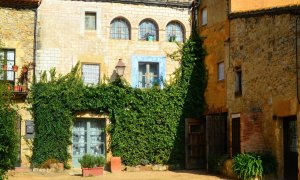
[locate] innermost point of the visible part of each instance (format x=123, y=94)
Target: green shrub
x=90, y=161
x=8, y=135
x=248, y=166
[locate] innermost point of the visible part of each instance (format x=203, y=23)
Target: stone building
x=99, y=33
x=213, y=25
x=263, y=84
x=17, y=27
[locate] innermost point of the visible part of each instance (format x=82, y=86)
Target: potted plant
x=92, y=165
x=172, y=38
x=15, y=68
x=23, y=79
x=4, y=67
x=149, y=37
x=17, y=87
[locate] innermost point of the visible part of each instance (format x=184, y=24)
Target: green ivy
x=146, y=124
x=8, y=135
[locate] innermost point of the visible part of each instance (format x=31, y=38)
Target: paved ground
x=145, y=175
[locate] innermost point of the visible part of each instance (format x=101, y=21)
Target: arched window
x=119, y=29
x=175, y=32
x=148, y=30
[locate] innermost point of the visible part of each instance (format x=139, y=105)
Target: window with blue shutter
x=148, y=71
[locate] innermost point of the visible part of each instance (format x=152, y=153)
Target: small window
x=204, y=16
x=175, y=32
x=148, y=74
x=7, y=59
x=221, y=71
x=90, y=21
x=119, y=29
x=238, y=82
x=148, y=30
x=91, y=74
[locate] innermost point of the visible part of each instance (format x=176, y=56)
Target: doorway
x=88, y=137
x=195, y=146
x=290, y=136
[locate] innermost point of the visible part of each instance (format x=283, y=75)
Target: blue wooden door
x=88, y=138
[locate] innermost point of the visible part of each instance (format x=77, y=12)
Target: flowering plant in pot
x=92, y=165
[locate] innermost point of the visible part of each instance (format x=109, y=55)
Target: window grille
x=7, y=57
x=148, y=28
x=119, y=29
x=148, y=74
x=90, y=21
x=91, y=74
x=175, y=32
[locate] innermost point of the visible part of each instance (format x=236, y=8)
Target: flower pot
x=4, y=67
x=9, y=87
x=115, y=164
x=24, y=69
x=17, y=88
x=24, y=88
x=15, y=68
x=96, y=171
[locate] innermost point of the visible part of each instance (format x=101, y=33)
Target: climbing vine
x=8, y=134
x=146, y=124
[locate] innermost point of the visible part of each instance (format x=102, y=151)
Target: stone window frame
x=143, y=31
x=85, y=10
x=218, y=71
x=181, y=31
x=125, y=21
x=91, y=63
x=238, y=82
x=204, y=19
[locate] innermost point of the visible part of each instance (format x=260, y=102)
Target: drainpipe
x=34, y=43
x=297, y=69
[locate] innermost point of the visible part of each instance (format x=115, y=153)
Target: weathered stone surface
x=264, y=47
x=132, y=169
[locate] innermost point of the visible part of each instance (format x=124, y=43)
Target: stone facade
x=264, y=48
x=216, y=33
x=63, y=41
x=17, y=33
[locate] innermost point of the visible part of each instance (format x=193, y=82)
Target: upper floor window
x=221, y=74
x=119, y=29
x=238, y=82
x=204, y=16
x=90, y=74
x=7, y=60
x=148, y=30
x=175, y=32
x=90, y=20
x=148, y=71
x=148, y=74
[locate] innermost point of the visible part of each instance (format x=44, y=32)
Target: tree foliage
x=146, y=124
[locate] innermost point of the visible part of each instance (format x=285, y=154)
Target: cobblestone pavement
x=144, y=175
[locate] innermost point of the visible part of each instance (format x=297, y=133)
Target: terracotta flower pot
x=24, y=69
x=17, y=88
x=4, y=67
x=96, y=171
x=115, y=164
x=15, y=68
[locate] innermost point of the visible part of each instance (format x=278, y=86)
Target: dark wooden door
x=290, y=148
x=195, y=146
x=236, y=136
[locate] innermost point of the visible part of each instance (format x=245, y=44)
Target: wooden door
x=290, y=148
x=236, y=136
x=195, y=146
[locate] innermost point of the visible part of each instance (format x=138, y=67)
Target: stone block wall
x=264, y=47
x=62, y=40
x=17, y=33
x=215, y=34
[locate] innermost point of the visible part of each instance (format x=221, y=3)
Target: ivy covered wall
x=147, y=124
